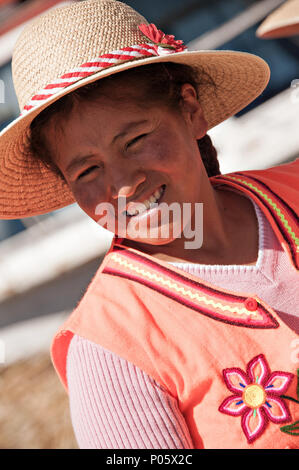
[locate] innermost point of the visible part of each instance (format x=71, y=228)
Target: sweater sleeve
x=115, y=405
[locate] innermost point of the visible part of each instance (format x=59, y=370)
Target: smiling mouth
x=143, y=207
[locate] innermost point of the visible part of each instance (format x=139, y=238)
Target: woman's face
x=115, y=153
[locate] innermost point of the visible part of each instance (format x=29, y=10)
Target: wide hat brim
x=28, y=188
x=283, y=22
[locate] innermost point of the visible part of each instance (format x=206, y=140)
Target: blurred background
x=46, y=262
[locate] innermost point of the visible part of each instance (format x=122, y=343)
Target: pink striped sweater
x=115, y=405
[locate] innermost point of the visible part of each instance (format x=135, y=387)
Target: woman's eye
x=87, y=171
x=135, y=140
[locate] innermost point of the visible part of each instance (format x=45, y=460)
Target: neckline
x=280, y=216
x=223, y=304
x=234, y=267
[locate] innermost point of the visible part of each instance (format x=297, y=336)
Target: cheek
x=88, y=196
x=158, y=154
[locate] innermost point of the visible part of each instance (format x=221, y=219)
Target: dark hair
x=157, y=83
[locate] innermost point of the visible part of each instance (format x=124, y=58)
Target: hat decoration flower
x=257, y=397
x=160, y=39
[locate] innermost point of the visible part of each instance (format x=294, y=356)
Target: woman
x=172, y=345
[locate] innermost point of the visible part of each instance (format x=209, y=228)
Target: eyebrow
x=128, y=128
x=78, y=160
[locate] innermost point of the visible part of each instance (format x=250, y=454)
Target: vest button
x=251, y=304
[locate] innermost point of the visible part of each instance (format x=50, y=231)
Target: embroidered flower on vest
x=257, y=396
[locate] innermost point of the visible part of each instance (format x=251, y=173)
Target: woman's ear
x=193, y=111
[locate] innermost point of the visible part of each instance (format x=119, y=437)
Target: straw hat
x=74, y=45
x=282, y=22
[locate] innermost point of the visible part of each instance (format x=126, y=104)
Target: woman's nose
x=126, y=185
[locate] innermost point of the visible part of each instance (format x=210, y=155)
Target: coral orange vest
x=227, y=357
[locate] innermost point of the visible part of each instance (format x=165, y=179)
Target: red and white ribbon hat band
x=95, y=65
x=74, y=45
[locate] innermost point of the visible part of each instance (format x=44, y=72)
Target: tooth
x=142, y=209
x=131, y=211
x=146, y=204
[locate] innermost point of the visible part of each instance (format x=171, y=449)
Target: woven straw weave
x=56, y=43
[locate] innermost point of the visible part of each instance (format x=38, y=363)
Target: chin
x=155, y=240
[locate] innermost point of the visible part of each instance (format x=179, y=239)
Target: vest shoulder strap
x=276, y=191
